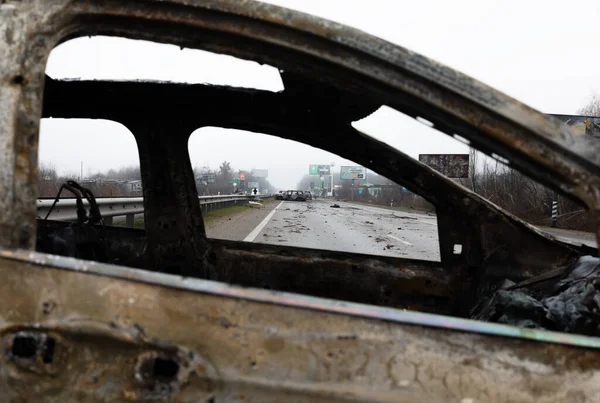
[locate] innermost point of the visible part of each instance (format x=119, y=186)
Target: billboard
x=260, y=173
x=242, y=176
x=206, y=179
x=589, y=125
x=253, y=185
x=450, y=165
x=353, y=172
x=319, y=169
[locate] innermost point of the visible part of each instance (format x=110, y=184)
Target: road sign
x=324, y=170
x=234, y=182
x=353, y=172
x=242, y=176
x=319, y=169
x=450, y=165
x=260, y=173
x=589, y=125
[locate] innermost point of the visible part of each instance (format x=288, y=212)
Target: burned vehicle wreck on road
x=167, y=313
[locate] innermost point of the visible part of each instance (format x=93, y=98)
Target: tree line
x=227, y=180
x=117, y=182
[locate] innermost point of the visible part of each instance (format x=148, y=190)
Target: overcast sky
x=539, y=52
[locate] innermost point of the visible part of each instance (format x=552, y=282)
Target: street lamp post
x=331, y=174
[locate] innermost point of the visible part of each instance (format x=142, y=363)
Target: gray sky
x=539, y=52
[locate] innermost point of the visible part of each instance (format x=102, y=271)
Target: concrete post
x=108, y=221
x=129, y=220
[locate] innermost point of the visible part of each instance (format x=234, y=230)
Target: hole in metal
x=25, y=346
x=457, y=249
x=165, y=368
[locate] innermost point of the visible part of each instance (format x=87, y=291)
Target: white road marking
x=251, y=236
x=427, y=222
x=400, y=240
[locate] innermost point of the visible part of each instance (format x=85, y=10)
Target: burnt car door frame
x=415, y=85
x=314, y=348
x=491, y=239
x=341, y=58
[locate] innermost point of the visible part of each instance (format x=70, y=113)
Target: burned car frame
x=195, y=319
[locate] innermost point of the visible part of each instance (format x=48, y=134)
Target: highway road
x=349, y=228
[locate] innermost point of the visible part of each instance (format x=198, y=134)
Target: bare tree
x=592, y=108
x=473, y=175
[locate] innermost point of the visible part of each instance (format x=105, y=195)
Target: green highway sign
x=314, y=169
x=234, y=181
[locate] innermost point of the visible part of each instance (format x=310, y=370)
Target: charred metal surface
x=172, y=217
x=230, y=349
x=21, y=83
x=83, y=360
x=249, y=344
x=378, y=280
x=398, y=283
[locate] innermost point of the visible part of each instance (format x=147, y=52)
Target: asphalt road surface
x=574, y=237
x=349, y=228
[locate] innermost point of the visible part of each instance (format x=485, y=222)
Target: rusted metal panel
x=450, y=165
x=129, y=335
x=378, y=280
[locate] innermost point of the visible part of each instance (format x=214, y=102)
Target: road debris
x=404, y=217
x=335, y=206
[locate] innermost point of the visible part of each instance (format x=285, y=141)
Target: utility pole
x=81, y=173
x=554, y=210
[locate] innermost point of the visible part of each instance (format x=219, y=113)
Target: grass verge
x=138, y=222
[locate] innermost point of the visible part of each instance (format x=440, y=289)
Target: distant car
x=294, y=195
x=298, y=195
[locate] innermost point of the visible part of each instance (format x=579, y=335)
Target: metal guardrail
x=66, y=209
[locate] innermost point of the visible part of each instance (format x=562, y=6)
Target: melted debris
x=567, y=302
